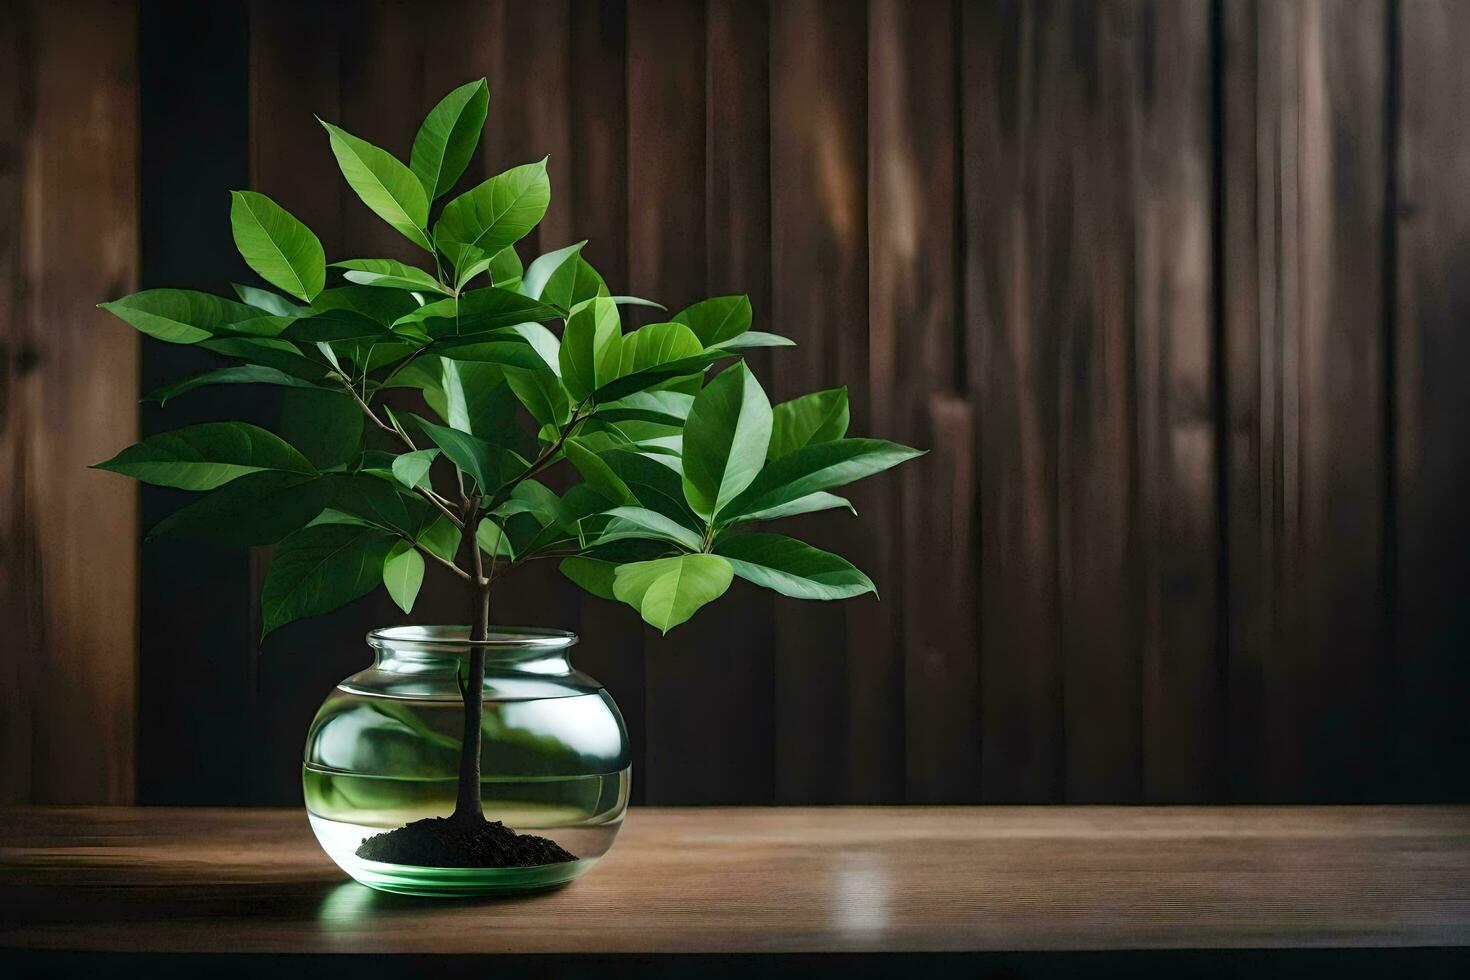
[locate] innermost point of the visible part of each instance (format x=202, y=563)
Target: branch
x=424, y=492
x=443, y=506
x=545, y=459
x=447, y=564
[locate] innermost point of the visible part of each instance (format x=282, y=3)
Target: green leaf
x=266, y=301
x=181, y=316
x=411, y=469
x=504, y=265
x=441, y=537
x=259, y=508
x=403, y=574
x=382, y=306
x=389, y=273
x=280, y=249
x=535, y=499
x=667, y=591
x=478, y=311
x=489, y=466
x=504, y=353
x=543, y=342
x=205, y=456
x=555, y=271
x=725, y=440
x=818, y=466
x=326, y=426
x=656, y=486
x=754, y=338
x=591, y=347
x=655, y=345
x=476, y=399
x=332, y=326
x=791, y=567
x=640, y=522
x=541, y=393
x=636, y=301
x=592, y=574
x=493, y=540
x=447, y=139
x=378, y=502
x=818, y=417
x=385, y=185
x=662, y=375
x=717, y=320
x=563, y=278
x=238, y=375
x=811, y=503
x=667, y=407
x=499, y=212
x=282, y=355
x=320, y=568
x=597, y=473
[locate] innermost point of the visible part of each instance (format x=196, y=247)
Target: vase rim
x=450, y=639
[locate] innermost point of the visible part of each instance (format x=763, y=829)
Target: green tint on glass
x=383, y=751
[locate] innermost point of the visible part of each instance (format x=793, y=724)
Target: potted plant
x=430, y=409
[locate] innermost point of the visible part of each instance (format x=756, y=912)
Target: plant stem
x=393, y=430
x=467, y=806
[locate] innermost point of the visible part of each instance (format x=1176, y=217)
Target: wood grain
x=917, y=393
x=197, y=670
x=364, y=75
x=612, y=634
x=1431, y=350
x=767, y=881
x=1177, y=504
x=833, y=734
x=737, y=205
x=1308, y=446
x=695, y=680
x=69, y=201
x=1169, y=290
x=1017, y=200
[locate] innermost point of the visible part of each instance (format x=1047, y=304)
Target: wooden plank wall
x=68, y=395
x=1171, y=291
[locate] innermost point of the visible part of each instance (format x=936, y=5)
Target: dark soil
x=443, y=842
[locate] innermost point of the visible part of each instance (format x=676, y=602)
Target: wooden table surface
x=758, y=880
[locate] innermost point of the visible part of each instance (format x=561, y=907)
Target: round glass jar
x=384, y=749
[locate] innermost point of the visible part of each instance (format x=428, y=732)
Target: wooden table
x=949, y=886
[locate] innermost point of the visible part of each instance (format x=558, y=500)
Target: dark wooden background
x=1175, y=292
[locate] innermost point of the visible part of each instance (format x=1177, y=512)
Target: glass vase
x=384, y=750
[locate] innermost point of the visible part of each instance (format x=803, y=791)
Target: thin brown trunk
x=467, y=805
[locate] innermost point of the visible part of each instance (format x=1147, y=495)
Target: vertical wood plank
x=1432, y=404
x=295, y=65
x=1344, y=153
x=819, y=298
x=530, y=75
x=197, y=665
x=1319, y=504
x=20, y=598
x=382, y=47
x=70, y=400
x=1250, y=320
x=599, y=184
x=1017, y=199
x=1176, y=371
x=1097, y=478
x=300, y=59
x=612, y=634
x=737, y=257
x=524, y=53
x=925, y=558
x=694, y=754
